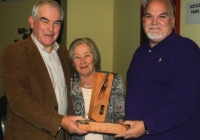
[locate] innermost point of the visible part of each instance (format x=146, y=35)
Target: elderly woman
x=84, y=56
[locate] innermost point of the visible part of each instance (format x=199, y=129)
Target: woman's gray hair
x=48, y=2
x=90, y=43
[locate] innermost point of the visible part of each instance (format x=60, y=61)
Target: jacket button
x=56, y=108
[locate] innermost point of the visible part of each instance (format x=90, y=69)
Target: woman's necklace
x=87, y=85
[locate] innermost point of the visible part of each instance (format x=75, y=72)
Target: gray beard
x=152, y=36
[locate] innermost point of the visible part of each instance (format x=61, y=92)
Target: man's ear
x=143, y=21
x=31, y=21
x=173, y=22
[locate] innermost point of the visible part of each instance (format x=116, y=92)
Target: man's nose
x=154, y=20
x=51, y=27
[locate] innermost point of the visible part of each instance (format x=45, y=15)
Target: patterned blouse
x=115, y=110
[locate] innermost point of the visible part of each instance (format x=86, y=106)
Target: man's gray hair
x=48, y=2
x=167, y=2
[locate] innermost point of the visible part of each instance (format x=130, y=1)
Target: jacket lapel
x=37, y=60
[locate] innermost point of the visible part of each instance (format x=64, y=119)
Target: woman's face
x=83, y=60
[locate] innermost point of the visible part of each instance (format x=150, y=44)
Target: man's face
x=157, y=22
x=46, y=27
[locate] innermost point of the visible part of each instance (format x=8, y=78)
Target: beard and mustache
x=154, y=34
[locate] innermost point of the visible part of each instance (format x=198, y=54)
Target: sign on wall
x=193, y=12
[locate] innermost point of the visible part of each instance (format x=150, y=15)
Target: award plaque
x=98, y=107
x=102, y=127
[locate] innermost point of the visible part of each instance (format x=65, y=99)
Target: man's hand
x=69, y=124
x=137, y=129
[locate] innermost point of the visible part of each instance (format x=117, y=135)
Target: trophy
x=98, y=107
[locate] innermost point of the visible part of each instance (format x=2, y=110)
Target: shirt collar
x=38, y=44
x=170, y=37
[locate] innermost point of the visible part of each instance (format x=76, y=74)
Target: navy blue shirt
x=164, y=89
